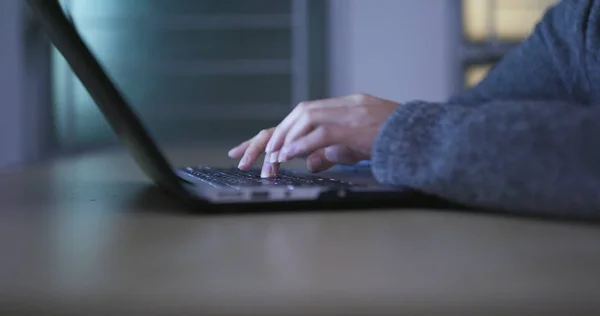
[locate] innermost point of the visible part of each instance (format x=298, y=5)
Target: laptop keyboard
x=233, y=177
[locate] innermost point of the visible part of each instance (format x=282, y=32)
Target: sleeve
x=548, y=65
x=541, y=157
x=526, y=140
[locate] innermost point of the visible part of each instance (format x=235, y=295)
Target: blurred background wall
x=10, y=62
x=211, y=71
x=400, y=50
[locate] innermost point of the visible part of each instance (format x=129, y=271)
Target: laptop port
x=260, y=195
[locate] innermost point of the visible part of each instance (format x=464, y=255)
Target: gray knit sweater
x=525, y=140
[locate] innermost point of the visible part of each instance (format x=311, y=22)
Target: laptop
x=204, y=184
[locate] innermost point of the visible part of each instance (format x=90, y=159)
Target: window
x=475, y=73
x=492, y=27
x=194, y=69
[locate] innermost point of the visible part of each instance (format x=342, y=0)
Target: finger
x=317, y=162
x=270, y=165
x=324, y=159
x=343, y=155
x=255, y=149
x=314, y=117
x=272, y=157
x=282, y=129
x=269, y=169
x=321, y=137
x=238, y=151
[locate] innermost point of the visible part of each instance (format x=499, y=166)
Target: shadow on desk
x=153, y=199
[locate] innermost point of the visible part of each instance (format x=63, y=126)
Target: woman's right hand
x=321, y=160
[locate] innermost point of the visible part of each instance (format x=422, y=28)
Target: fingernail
x=273, y=157
x=285, y=154
x=267, y=171
x=243, y=162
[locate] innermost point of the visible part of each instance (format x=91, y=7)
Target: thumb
x=324, y=159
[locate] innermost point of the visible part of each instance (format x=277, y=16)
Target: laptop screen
x=120, y=116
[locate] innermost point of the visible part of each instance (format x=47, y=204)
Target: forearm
x=518, y=156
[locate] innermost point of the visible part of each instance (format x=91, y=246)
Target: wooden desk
x=85, y=236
